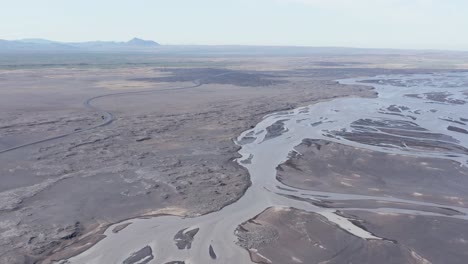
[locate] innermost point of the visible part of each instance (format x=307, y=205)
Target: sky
x=409, y=24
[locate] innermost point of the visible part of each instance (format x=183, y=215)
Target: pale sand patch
x=296, y=260
x=346, y=184
x=420, y=258
x=388, y=214
x=257, y=257
x=277, y=209
x=167, y=211
x=452, y=198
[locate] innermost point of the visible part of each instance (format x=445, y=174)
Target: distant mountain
x=21, y=45
x=134, y=43
x=32, y=45
x=37, y=41
x=142, y=43
x=147, y=46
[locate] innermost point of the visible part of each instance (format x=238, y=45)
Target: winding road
x=108, y=117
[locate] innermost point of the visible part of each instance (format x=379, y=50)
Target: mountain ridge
x=37, y=44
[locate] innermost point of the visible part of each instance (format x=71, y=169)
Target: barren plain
x=88, y=147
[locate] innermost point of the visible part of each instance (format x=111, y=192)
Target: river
x=418, y=103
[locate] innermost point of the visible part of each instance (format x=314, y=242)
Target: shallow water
x=423, y=103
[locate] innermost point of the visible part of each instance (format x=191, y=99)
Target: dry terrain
x=168, y=148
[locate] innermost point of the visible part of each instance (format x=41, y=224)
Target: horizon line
x=242, y=45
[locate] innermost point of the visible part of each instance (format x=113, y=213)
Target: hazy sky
x=441, y=24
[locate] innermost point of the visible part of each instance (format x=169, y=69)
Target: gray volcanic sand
x=281, y=235
x=413, y=137
x=332, y=167
x=165, y=152
x=376, y=204
x=437, y=239
x=284, y=235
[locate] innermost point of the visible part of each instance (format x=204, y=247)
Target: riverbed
x=419, y=115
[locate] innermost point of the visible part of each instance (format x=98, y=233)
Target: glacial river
x=421, y=102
